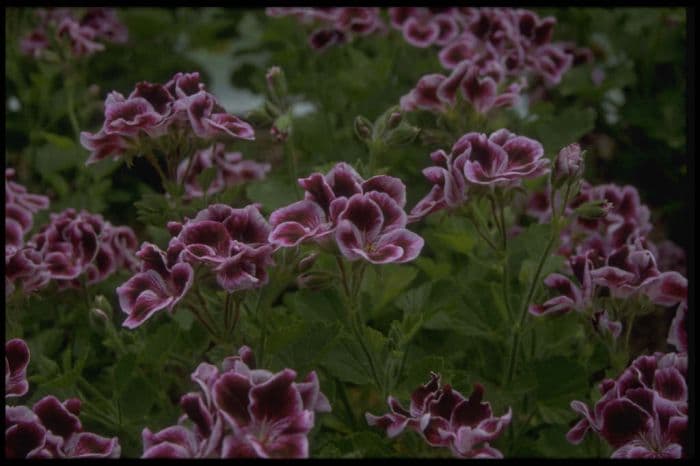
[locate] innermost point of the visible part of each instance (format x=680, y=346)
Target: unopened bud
x=259, y=117
x=594, y=209
x=307, y=262
x=394, y=120
x=94, y=90
x=568, y=165
x=276, y=84
x=363, y=128
x=404, y=134
x=272, y=110
x=103, y=304
x=313, y=281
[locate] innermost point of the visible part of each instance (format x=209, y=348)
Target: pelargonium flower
x=160, y=284
x=445, y=418
x=502, y=159
x=81, y=34
x=644, y=412
x=50, y=429
x=372, y=227
x=231, y=170
x=182, y=106
x=574, y=296
x=241, y=412
x=232, y=242
x=75, y=243
x=333, y=25
x=365, y=217
x=16, y=360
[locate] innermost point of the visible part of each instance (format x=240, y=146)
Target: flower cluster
x=486, y=48
x=241, y=412
x=644, y=412
x=81, y=36
x=72, y=244
x=231, y=170
x=232, y=243
x=609, y=251
x=50, y=429
x=475, y=161
x=445, y=418
x=365, y=217
x=162, y=115
x=337, y=25
x=20, y=207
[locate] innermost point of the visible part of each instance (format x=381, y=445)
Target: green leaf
x=393, y=278
x=272, y=194
x=123, y=372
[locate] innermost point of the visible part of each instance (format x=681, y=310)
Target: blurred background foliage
x=447, y=303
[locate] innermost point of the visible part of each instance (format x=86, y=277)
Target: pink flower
x=573, y=296
x=231, y=170
x=159, y=285
x=371, y=227
x=502, y=159
x=445, y=418
x=642, y=414
x=242, y=412
x=678, y=333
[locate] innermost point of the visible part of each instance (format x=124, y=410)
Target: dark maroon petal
x=479, y=90
x=55, y=417
x=426, y=92
x=670, y=384
x=668, y=289
x=344, y=180
x=193, y=405
x=275, y=399
x=471, y=411
x=365, y=215
x=318, y=190
x=623, y=420
x=420, y=34
x=16, y=360
x=305, y=213
x=89, y=445
x=393, y=215
x=576, y=434
x=678, y=333
x=432, y=431
x=419, y=396
x=321, y=39
x=129, y=292
x=350, y=240
x=311, y=395
x=231, y=395
x=23, y=438
x=231, y=125
x=390, y=185
x=167, y=450
x=288, y=446
x=522, y=152
x=410, y=245
x=237, y=446
x=146, y=304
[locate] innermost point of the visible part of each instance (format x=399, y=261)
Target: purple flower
x=603, y=325
x=51, y=429
x=231, y=170
x=642, y=414
x=16, y=360
x=445, y=418
x=159, y=285
x=572, y=296
x=241, y=412
x=628, y=270
x=371, y=227
x=180, y=107
x=298, y=222
x=502, y=159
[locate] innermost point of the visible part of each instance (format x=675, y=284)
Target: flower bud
x=594, y=209
x=259, y=117
x=307, y=262
x=276, y=85
x=313, y=281
x=568, y=165
x=394, y=120
x=363, y=129
x=404, y=134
